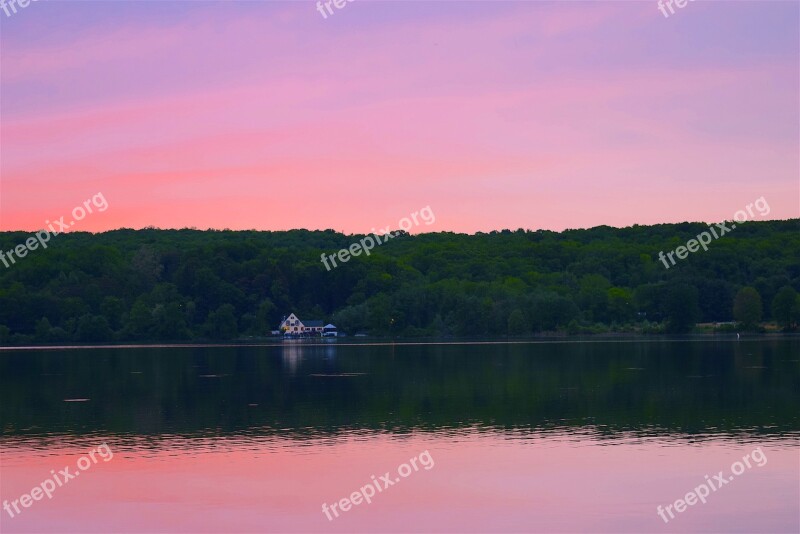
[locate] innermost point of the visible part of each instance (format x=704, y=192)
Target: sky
x=495, y=114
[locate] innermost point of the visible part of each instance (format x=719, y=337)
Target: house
x=313, y=326
x=329, y=331
x=293, y=326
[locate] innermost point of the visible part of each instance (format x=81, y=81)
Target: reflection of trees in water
x=656, y=387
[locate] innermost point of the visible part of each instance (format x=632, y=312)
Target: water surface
x=534, y=437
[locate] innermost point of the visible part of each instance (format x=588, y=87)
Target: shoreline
x=382, y=341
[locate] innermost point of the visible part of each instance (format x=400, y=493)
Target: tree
x=593, y=297
x=165, y=284
x=146, y=264
x=786, y=307
x=5, y=334
x=169, y=322
x=266, y=317
x=140, y=319
x=747, y=307
x=516, y=323
x=352, y=319
x=620, y=304
x=716, y=299
x=93, y=328
x=43, y=327
x=113, y=309
x=221, y=323
x=681, y=308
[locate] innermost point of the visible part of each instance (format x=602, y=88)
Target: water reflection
x=483, y=481
x=544, y=437
x=672, y=388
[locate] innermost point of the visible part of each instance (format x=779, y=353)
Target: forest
x=209, y=285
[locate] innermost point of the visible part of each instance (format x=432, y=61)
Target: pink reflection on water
x=480, y=482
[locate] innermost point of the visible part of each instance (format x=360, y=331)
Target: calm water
x=533, y=437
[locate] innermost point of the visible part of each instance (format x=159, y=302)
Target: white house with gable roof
x=293, y=326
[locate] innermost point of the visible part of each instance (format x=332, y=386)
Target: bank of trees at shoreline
x=180, y=285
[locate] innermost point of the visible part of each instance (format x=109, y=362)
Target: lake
x=543, y=436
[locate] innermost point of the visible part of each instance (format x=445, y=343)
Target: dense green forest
x=174, y=285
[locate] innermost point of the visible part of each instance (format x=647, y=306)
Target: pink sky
x=496, y=114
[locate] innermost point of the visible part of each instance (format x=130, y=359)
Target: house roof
x=330, y=326
x=312, y=323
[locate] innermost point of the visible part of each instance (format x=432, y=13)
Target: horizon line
x=477, y=232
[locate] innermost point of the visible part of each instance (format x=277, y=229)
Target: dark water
x=534, y=437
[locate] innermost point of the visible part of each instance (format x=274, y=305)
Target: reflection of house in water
x=293, y=352
x=291, y=356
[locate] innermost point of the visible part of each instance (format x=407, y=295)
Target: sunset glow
x=498, y=115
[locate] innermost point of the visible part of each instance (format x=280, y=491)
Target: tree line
x=177, y=285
